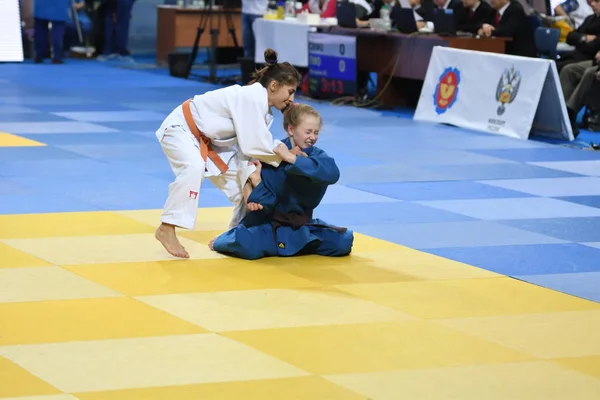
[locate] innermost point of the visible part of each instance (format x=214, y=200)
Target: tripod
x=205, y=18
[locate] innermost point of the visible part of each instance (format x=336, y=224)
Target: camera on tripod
x=211, y=17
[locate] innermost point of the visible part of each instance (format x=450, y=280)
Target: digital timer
x=332, y=64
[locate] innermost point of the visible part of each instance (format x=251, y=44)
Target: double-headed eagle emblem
x=508, y=87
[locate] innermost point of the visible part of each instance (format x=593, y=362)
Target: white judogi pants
x=183, y=152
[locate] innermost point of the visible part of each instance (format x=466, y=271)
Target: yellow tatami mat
x=9, y=140
x=92, y=308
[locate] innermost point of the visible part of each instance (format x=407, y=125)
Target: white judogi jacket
x=237, y=120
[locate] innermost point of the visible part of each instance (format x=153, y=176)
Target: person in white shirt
x=576, y=10
x=216, y=134
x=251, y=10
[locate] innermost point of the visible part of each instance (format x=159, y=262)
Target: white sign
x=494, y=93
x=11, y=44
x=287, y=37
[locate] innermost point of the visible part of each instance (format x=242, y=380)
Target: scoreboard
x=332, y=68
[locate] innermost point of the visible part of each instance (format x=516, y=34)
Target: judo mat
x=475, y=272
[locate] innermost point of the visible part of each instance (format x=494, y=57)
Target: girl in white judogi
x=215, y=135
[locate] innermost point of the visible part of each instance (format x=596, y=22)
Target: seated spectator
x=376, y=7
x=327, y=8
x=576, y=10
x=423, y=10
x=585, y=39
x=510, y=21
x=455, y=5
x=577, y=81
x=473, y=14
x=426, y=11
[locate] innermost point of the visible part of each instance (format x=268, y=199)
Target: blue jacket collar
x=287, y=141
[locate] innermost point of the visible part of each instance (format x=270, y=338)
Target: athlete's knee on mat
x=237, y=242
x=337, y=244
x=250, y=253
x=245, y=252
x=346, y=243
x=224, y=243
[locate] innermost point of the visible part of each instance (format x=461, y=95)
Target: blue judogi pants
x=252, y=243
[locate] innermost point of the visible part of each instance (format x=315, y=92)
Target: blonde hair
x=295, y=113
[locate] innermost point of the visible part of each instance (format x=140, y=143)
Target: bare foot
x=211, y=243
x=165, y=234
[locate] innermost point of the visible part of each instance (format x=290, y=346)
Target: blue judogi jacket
x=293, y=190
x=53, y=10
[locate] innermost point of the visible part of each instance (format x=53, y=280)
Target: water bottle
x=290, y=9
x=280, y=9
x=384, y=14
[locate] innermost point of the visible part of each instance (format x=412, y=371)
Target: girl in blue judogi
x=281, y=221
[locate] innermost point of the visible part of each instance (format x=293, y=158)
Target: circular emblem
x=446, y=91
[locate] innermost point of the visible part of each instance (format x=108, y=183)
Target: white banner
x=494, y=93
x=288, y=37
x=11, y=44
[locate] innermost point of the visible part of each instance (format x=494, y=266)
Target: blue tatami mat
x=451, y=190
x=533, y=259
x=523, y=208
x=584, y=284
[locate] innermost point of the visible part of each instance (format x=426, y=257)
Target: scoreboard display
x=332, y=68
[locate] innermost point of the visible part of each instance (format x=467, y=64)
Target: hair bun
x=270, y=56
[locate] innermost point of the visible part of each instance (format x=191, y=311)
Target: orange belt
x=206, y=150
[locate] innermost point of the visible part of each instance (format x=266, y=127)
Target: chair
x=546, y=40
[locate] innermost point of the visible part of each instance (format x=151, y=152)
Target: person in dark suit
x=510, y=21
x=586, y=39
x=423, y=8
x=376, y=7
x=454, y=5
x=473, y=14
x=427, y=9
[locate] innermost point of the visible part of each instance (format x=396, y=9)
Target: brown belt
x=206, y=150
x=298, y=220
